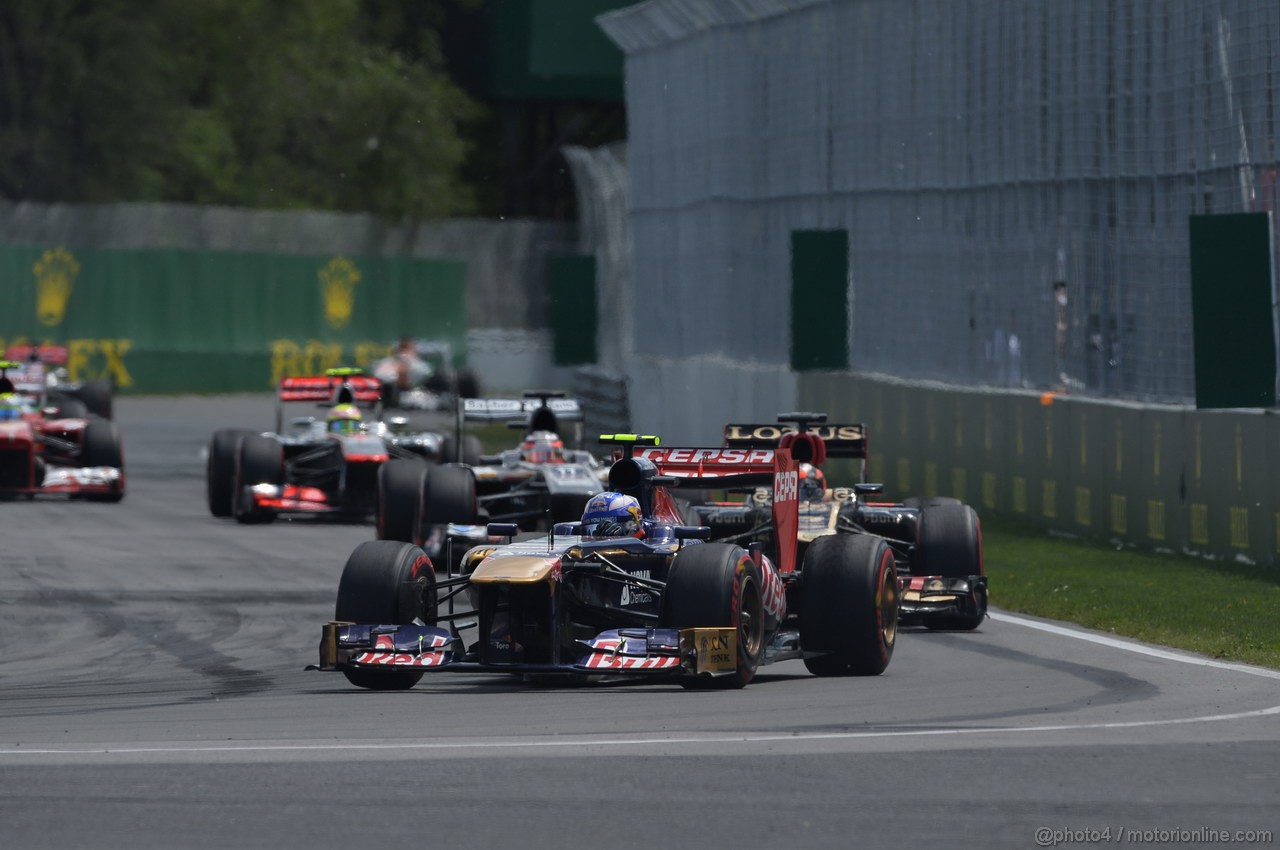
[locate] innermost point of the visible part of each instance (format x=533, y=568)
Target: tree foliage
x=327, y=104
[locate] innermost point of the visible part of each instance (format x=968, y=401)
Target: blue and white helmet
x=611, y=514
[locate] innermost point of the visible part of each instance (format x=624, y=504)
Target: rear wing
x=712, y=468
x=842, y=441
x=513, y=409
x=717, y=468
x=26, y=377
x=538, y=410
x=50, y=355
x=362, y=389
x=337, y=386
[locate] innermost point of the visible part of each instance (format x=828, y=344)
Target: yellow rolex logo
x=56, y=273
x=338, y=284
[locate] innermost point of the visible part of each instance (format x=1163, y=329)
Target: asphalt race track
x=152, y=694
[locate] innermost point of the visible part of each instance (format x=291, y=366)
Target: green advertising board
x=204, y=321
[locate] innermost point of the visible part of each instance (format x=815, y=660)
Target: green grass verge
x=496, y=437
x=1224, y=610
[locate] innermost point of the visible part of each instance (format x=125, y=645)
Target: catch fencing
x=1015, y=177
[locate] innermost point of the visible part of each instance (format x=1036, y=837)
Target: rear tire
x=471, y=450
x=220, y=470
x=401, y=484
x=929, y=501
x=97, y=397
x=717, y=585
x=101, y=447
x=849, y=607
x=259, y=460
x=448, y=496
x=950, y=545
x=386, y=582
x=69, y=407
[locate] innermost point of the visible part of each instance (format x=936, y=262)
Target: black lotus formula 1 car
x=657, y=603
x=937, y=542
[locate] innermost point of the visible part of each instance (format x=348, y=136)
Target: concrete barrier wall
x=1162, y=477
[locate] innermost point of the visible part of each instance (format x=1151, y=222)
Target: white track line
x=749, y=738
x=1132, y=646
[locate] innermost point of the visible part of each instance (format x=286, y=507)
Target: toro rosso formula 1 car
x=316, y=467
x=44, y=451
x=937, y=542
x=657, y=603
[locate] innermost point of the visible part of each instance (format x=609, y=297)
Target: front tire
x=220, y=470
x=717, y=585
x=259, y=460
x=101, y=446
x=849, y=611
x=386, y=582
x=950, y=545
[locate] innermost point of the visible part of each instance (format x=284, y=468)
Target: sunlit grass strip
x=1219, y=609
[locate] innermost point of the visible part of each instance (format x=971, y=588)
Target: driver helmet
x=813, y=484
x=542, y=447
x=10, y=406
x=611, y=514
x=343, y=419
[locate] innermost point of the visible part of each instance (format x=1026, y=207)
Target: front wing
x=926, y=597
x=637, y=651
x=290, y=498
x=76, y=481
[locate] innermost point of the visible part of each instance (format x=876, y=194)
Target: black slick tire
x=386, y=582
x=97, y=397
x=101, y=446
x=717, y=585
x=449, y=496
x=849, y=609
x=220, y=470
x=929, y=501
x=950, y=545
x=472, y=448
x=400, y=486
x=259, y=460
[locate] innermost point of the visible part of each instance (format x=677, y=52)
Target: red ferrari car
x=43, y=451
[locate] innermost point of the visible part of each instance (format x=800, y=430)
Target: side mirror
x=691, y=532
x=503, y=529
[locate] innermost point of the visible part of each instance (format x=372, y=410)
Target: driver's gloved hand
x=609, y=528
